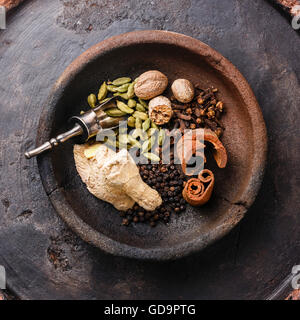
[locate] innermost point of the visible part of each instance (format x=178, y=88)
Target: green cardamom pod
x=161, y=137
x=153, y=139
x=123, y=88
x=146, y=125
x=138, y=123
x=139, y=133
x=120, y=81
x=139, y=107
x=124, y=107
x=123, y=139
x=112, y=142
x=131, y=103
x=122, y=130
x=146, y=146
x=122, y=95
x=104, y=100
x=102, y=91
x=154, y=125
x=143, y=103
x=112, y=88
x=141, y=115
x=92, y=100
x=151, y=132
x=131, y=122
x=134, y=142
x=115, y=112
x=151, y=156
x=130, y=91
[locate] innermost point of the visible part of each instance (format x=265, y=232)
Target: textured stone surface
x=99, y=15
x=45, y=260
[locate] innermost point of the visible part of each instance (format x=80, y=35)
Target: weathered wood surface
x=42, y=257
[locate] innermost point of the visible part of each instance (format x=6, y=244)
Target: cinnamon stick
x=197, y=191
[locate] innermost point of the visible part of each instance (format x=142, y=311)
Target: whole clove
x=183, y=116
x=178, y=106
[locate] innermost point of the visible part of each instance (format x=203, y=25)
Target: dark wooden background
x=43, y=258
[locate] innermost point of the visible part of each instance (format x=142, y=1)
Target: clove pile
x=204, y=111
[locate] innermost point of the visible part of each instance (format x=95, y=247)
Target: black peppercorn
x=147, y=216
x=156, y=217
x=125, y=222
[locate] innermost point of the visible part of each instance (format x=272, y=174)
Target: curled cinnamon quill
x=197, y=191
x=219, y=151
x=191, y=144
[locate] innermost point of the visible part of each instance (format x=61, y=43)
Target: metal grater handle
x=75, y=131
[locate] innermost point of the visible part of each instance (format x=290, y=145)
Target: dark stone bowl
x=245, y=138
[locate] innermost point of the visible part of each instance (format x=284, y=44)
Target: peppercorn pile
x=168, y=180
x=205, y=110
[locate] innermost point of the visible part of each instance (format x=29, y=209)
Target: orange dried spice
x=196, y=191
x=189, y=145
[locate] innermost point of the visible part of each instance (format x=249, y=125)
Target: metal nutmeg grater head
x=85, y=127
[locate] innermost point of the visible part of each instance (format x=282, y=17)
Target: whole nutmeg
x=150, y=84
x=160, y=110
x=183, y=90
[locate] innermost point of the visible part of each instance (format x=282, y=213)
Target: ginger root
x=114, y=177
x=91, y=173
x=122, y=173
